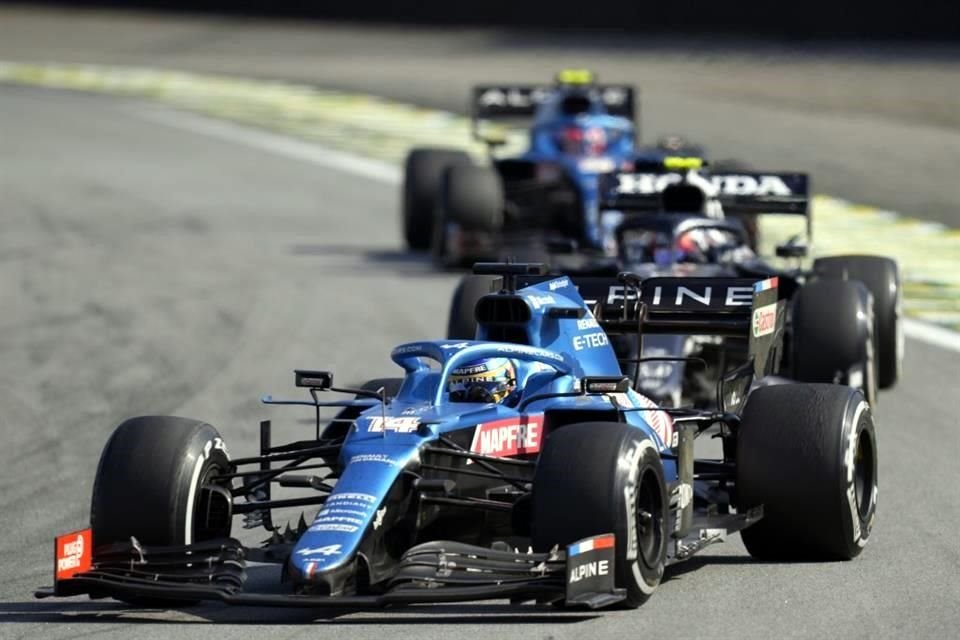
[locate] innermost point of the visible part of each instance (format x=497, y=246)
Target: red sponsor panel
x=764, y=320
x=509, y=437
x=73, y=554
x=604, y=543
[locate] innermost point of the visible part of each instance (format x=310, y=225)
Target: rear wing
x=741, y=192
x=500, y=102
x=748, y=308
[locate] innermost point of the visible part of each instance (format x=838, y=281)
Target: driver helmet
x=700, y=245
x=486, y=380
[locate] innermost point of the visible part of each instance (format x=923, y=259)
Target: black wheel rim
x=650, y=519
x=864, y=466
x=209, y=520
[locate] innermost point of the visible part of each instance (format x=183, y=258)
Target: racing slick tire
x=156, y=481
x=470, y=200
x=808, y=454
x=882, y=277
x=605, y=477
x=422, y=173
x=462, y=323
x=832, y=337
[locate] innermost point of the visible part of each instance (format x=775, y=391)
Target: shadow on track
x=76, y=611
x=399, y=261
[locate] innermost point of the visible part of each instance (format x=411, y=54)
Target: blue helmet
x=487, y=380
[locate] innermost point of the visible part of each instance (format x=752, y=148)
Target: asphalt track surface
x=148, y=268
x=876, y=123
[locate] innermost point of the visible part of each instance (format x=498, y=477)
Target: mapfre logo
x=508, y=437
x=74, y=554
x=764, y=320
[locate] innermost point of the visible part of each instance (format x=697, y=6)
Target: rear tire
x=462, y=323
x=808, y=454
x=832, y=336
x=580, y=489
x=882, y=277
x=470, y=201
x=423, y=171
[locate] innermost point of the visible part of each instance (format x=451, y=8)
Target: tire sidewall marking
x=214, y=443
x=630, y=460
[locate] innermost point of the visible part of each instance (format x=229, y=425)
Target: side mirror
x=322, y=380
x=792, y=251
x=605, y=384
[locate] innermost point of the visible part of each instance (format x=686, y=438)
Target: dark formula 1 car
x=843, y=320
x=463, y=212
x=429, y=485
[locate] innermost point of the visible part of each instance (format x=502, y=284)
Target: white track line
x=390, y=174
x=277, y=144
x=932, y=334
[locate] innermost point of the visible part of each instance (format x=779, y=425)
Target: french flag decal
x=600, y=542
x=763, y=285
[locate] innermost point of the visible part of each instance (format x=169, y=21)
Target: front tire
x=157, y=482
x=605, y=477
x=150, y=480
x=808, y=454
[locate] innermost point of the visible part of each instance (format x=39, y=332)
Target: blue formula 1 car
x=580, y=130
x=521, y=466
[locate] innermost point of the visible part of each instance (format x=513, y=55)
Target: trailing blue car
x=463, y=212
x=522, y=465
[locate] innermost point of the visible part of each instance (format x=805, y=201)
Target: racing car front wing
x=433, y=572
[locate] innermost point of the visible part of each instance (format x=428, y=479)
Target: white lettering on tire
x=216, y=443
x=631, y=461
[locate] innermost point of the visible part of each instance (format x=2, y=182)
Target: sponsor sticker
x=508, y=437
x=541, y=301
x=590, y=341
x=348, y=512
x=407, y=348
x=340, y=528
x=400, y=424
x=353, y=497
x=374, y=457
x=764, y=320
x=559, y=284
x=506, y=349
x=74, y=554
x=587, y=323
